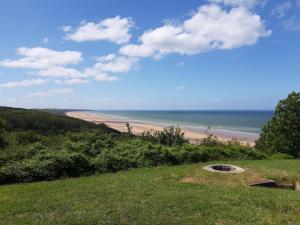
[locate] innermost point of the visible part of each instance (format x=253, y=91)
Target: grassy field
x=165, y=195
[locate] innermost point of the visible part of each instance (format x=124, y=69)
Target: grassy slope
x=166, y=195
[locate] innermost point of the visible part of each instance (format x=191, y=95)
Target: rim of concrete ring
x=236, y=169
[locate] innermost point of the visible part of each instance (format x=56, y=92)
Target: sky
x=142, y=54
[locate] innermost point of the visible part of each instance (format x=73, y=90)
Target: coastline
x=193, y=135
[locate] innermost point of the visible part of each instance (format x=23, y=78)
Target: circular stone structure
x=223, y=168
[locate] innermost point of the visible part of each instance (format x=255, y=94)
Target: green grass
x=165, y=195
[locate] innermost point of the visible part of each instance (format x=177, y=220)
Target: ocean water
x=247, y=122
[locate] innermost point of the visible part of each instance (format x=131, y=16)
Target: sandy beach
x=139, y=126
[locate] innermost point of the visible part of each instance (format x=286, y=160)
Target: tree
x=282, y=131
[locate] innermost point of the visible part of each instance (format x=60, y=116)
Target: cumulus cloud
x=42, y=58
x=110, y=64
x=118, y=64
x=98, y=75
x=102, y=76
x=47, y=63
x=60, y=72
x=23, y=83
x=210, y=28
x=112, y=29
x=66, y=28
x=52, y=92
x=137, y=50
x=105, y=58
x=53, y=64
x=244, y=3
x=72, y=81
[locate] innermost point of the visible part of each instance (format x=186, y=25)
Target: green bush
x=109, y=161
x=3, y=142
x=28, y=137
x=211, y=140
x=72, y=148
x=282, y=132
x=169, y=136
x=48, y=166
x=90, y=143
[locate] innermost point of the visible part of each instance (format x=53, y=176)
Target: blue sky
x=138, y=54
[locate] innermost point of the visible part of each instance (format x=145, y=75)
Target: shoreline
x=193, y=135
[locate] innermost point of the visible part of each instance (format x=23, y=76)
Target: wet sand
x=194, y=136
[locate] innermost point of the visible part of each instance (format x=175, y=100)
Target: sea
x=236, y=123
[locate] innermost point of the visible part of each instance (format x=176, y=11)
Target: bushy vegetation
x=2, y=125
x=170, y=136
x=42, y=122
x=282, y=133
x=38, y=145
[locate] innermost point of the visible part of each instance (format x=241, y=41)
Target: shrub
x=210, y=140
x=47, y=166
x=170, y=136
x=28, y=137
x=3, y=142
x=282, y=132
x=89, y=143
x=112, y=161
x=76, y=148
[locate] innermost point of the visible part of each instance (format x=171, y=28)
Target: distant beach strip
x=193, y=133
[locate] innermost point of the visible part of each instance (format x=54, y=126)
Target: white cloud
x=23, y=83
x=110, y=64
x=105, y=58
x=72, y=81
x=180, y=88
x=118, y=64
x=54, y=64
x=210, y=28
x=292, y=24
x=281, y=9
x=48, y=63
x=112, y=29
x=137, y=50
x=42, y=58
x=52, y=92
x=45, y=40
x=60, y=72
x=99, y=75
x=244, y=3
x=66, y=28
